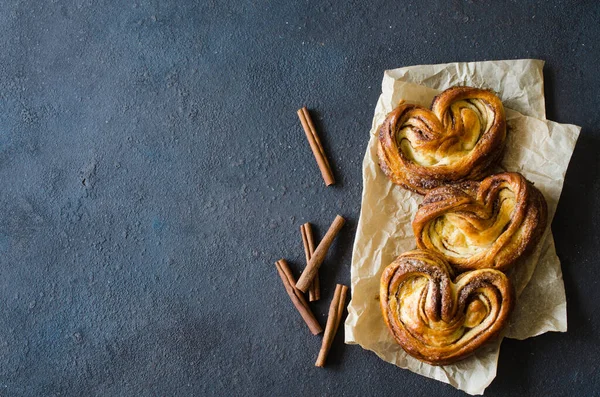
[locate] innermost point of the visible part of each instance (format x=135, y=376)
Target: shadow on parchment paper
x=323, y=136
x=549, y=92
x=573, y=219
x=573, y=216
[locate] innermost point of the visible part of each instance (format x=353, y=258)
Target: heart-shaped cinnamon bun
x=437, y=319
x=487, y=224
x=460, y=138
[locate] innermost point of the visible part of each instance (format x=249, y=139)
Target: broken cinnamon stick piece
x=336, y=310
x=314, y=293
x=316, y=146
x=319, y=255
x=297, y=298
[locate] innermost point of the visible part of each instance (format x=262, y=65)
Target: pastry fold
x=437, y=319
x=461, y=137
x=487, y=224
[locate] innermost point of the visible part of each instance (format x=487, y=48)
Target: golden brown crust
x=439, y=320
x=487, y=224
x=462, y=137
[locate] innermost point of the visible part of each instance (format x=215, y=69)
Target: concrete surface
x=152, y=169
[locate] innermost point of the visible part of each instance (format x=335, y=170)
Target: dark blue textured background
x=152, y=169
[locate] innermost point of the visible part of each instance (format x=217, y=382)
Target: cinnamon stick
x=297, y=298
x=336, y=310
x=319, y=255
x=316, y=146
x=314, y=292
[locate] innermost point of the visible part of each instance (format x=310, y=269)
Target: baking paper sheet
x=537, y=148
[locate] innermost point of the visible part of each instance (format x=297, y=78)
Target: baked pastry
x=437, y=319
x=487, y=224
x=461, y=137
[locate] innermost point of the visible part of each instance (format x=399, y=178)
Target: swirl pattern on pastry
x=436, y=319
x=487, y=224
x=461, y=138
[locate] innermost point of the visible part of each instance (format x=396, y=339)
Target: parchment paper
x=537, y=148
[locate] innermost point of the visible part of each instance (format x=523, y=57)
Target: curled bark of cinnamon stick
x=336, y=310
x=314, y=292
x=297, y=297
x=319, y=255
x=316, y=146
